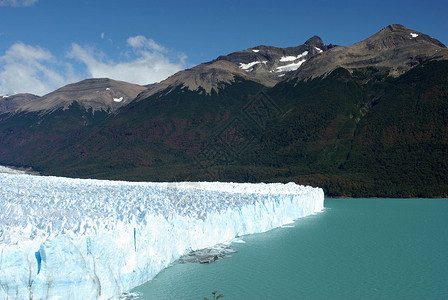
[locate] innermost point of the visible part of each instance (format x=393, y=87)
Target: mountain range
x=365, y=120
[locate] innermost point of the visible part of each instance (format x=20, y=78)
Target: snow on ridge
x=414, y=35
x=247, y=66
x=318, y=49
x=97, y=236
x=255, y=50
x=293, y=58
x=118, y=99
x=287, y=58
x=290, y=67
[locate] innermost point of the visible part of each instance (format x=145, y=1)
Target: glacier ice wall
x=86, y=239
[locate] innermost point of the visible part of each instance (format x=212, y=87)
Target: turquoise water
x=355, y=249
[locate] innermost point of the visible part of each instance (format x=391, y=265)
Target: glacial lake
x=354, y=249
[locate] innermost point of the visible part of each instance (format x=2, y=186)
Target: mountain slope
x=350, y=137
x=149, y=137
x=404, y=138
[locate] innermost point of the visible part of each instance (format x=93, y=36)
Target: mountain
x=9, y=104
x=366, y=120
x=266, y=65
x=395, y=48
x=31, y=125
x=99, y=94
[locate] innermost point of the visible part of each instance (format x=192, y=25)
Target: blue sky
x=45, y=44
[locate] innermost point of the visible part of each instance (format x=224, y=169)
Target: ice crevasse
x=93, y=239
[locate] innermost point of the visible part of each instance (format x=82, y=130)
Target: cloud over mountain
x=146, y=62
x=33, y=69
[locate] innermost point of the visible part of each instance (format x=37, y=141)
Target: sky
x=46, y=44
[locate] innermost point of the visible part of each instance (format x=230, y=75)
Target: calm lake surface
x=355, y=249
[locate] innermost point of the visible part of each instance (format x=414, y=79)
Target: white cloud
x=29, y=69
x=148, y=62
x=140, y=42
x=17, y=3
x=102, y=35
x=32, y=69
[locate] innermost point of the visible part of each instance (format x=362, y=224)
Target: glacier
x=64, y=238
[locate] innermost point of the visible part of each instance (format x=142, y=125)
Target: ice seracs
x=89, y=239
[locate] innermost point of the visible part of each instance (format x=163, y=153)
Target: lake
x=354, y=249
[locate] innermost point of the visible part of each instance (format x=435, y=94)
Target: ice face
x=84, y=239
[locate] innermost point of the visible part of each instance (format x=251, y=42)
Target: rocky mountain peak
x=315, y=41
x=397, y=35
x=394, y=27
